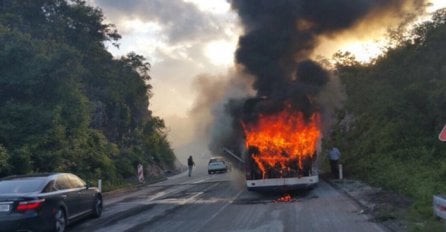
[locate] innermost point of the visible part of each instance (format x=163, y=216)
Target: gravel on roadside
x=385, y=207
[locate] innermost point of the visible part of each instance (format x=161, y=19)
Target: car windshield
x=25, y=185
x=215, y=160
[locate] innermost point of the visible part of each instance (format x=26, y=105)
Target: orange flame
x=285, y=198
x=283, y=139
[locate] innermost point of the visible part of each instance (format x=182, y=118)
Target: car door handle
x=63, y=196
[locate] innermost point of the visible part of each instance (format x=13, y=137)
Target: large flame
x=284, y=140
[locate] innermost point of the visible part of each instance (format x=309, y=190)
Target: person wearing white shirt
x=333, y=155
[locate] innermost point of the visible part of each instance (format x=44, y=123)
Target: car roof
x=217, y=158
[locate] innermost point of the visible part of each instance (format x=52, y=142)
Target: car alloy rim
x=60, y=221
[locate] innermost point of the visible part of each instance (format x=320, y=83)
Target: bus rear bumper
x=274, y=184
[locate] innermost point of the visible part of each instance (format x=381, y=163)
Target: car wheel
x=97, y=207
x=60, y=220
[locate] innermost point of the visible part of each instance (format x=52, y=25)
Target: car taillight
x=29, y=205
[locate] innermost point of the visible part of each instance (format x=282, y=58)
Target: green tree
x=395, y=110
x=4, y=161
x=65, y=103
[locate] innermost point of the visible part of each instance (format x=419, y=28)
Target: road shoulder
x=385, y=207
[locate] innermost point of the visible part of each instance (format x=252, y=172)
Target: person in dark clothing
x=190, y=164
x=333, y=155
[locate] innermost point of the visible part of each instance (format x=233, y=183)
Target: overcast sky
x=182, y=39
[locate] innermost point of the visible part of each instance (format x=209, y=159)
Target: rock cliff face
x=157, y=170
x=154, y=170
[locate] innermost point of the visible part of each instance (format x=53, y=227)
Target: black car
x=46, y=202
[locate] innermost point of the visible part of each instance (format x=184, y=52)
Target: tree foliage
x=65, y=103
x=394, y=112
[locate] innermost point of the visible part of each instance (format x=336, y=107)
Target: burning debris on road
x=284, y=198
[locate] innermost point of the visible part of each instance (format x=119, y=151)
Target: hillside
x=393, y=114
x=65, y=103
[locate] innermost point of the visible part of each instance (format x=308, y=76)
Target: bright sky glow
x=140, y=37
x=437, y=4
x=213, y=6
x=220, y=52
x=179, y=51
x=139, y=27
x=366, y=49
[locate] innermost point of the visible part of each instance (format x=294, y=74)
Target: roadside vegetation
x=395, y=109
x=65, y=103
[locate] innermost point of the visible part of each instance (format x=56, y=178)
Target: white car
x=217, y=164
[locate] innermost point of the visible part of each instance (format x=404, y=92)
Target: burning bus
x=279, y=122
x=281, y=150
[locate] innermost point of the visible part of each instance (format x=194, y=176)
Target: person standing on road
x=333, y=155
x=190, y=164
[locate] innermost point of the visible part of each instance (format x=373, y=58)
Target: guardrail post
x=100, y=185
x=341, y=175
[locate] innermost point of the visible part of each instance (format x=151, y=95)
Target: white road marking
x=222, y=208
x=201, y=181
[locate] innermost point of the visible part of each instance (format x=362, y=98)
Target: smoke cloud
x=208, y=122
x=181, y=21
x=279, y=34
x=280, y=37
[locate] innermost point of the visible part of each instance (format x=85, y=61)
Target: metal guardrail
x=233, y=155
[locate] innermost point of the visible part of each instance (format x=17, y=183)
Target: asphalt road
x=220, y=202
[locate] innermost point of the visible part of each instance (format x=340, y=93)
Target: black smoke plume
x=280, y=36
x=281, y=33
